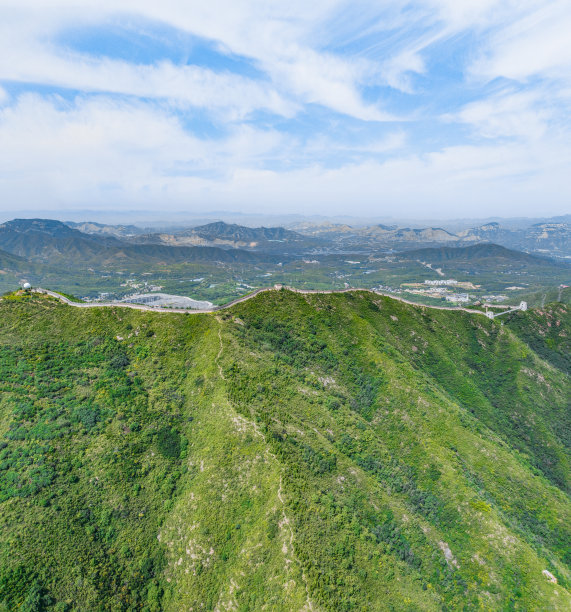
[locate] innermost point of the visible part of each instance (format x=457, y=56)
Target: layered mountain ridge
x=553, y=237
x=54, y=242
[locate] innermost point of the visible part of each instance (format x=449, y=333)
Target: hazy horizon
x=143, y=218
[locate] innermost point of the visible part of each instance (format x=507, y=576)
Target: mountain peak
x=219, y=230
x=46, y=226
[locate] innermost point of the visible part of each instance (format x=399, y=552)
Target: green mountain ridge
x=484, y=251
x=498, y=265
x=232, y=236
x=11, y=262
x=323, y=452
x=240, y=233
x=55, y=243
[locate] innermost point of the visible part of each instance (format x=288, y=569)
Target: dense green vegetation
x=325, y=452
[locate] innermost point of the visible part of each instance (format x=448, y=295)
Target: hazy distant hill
x=227, y=235
x=50, y=227
x=51, y=241
x=383, y=233
x=45, y=240
x=12, y=262
x=553, y=237
x=90, y=227
x=493, y=260
x=429, y=234
x=14, y=269
x=179, y=254
x=479, y=252
x=550, y=237
x=490, y=232
x=240, y=233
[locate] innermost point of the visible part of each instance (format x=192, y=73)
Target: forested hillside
x=295, y=452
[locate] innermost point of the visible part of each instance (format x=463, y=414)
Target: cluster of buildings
x=131, y=283
x=386, y=289
x=441, y=289
x=495, y=298
x=458, y=298
x=447, y=289
x=441, y=283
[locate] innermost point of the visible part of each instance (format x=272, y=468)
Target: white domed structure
x=26, y=286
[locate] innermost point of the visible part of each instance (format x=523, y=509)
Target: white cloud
x=131, y=146
x=396, y=71
x=458, y=15
x=71, y=152
x=516, y=39
x=323, y=79
x=456, y=182
x=276, y=36
x=190, y=85
x=523, y=115
x=376, y=146
x=97, y=151
x=536, y=43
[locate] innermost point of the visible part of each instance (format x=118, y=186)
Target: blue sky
x=427, y=108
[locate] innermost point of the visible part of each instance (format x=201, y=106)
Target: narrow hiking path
x=244, y=298
x=285, y=522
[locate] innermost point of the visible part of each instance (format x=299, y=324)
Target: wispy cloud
x=534, y=44
x=379, y=103
x=295, y=73
x=524, y=115
x=182, y=85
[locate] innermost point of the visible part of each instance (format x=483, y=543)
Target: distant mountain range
x=228, y=236
x=501, y=266
x=240, y=233
x=90, y=227
x=544, y=237
x=479, y=252
x=553, y=238
x=54, y=242
x=428, y=234
x=45, y=240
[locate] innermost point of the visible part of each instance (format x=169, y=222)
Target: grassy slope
x=329, y=452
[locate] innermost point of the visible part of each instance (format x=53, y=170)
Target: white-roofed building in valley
x=168, y=301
